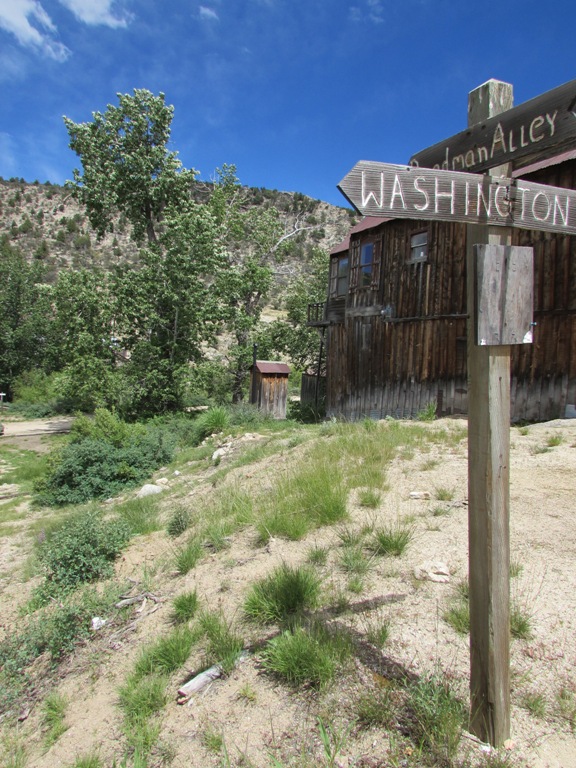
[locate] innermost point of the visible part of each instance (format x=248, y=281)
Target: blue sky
x=293, y=92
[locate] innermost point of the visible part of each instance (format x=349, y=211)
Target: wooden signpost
x=402, y=191
x=536, y=129
x=438, y=186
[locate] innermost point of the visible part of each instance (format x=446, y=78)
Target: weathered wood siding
x=395, y=347
x=312, y=388
x=273, y=393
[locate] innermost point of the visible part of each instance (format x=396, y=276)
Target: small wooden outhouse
x=269, y=387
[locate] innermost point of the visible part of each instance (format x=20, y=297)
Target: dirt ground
x=255, y=715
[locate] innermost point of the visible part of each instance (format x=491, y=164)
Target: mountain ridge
x=47, y=223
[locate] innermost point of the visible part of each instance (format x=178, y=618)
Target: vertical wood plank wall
x=397, y=367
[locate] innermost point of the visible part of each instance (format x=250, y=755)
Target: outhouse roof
x=264, y=366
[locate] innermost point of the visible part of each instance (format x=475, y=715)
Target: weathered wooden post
x=488, y=482
x=442, y=183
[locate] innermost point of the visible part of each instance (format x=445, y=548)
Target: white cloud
x=32, y=27
x=208, y=14
x=372, y=10
x=97, y=12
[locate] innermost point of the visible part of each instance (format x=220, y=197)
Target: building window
x=418, y=247
x=339, y=276
x=366, y=265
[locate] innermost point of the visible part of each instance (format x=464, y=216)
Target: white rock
x=98, y=623
x=149, y=490
x=419, y=495
x=436, y=571
x=162, y=481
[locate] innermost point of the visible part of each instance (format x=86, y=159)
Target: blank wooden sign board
x=504, y=282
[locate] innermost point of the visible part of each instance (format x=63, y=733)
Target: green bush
x=81, y=550
x=55, y=629
x=34, y=394
x=306, y=413
x=104, y=426
x=98, y=464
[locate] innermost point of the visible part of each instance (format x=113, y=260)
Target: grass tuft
x=370, y=498
x=282, y=595
x=53, y=717
x=437, y=717
x=458, y=617
x=520, y=623
x=223, y=645
x=178, y=522
x=311, y=496
x=184, y=607
x=307, y=656
x=390, y=540
x=188, y=556
x=535, y=703
x=166, y=654
x=140, y=515
x=317, y=555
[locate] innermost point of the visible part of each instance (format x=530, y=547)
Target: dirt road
x=29, y=434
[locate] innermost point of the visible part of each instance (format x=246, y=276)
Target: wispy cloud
x=98, y=12
x=208, y=14
x=370, y=10
x=32, y=27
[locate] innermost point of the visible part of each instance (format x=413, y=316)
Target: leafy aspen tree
x=169, y=309
x=291, y=337
x=250, y=237
x=127, y=166
x=83, y=339
x=25, y=316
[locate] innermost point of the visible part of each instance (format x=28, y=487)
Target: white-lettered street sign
x=400, y=191
x=534, y=130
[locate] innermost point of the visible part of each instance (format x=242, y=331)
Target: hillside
x=397, y=690
x=45, y=222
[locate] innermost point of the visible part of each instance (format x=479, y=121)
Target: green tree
x=168, y=309
x=250, y=237
x=291, y=336
x=25, y=315
x=83, y=338
x=127, y=166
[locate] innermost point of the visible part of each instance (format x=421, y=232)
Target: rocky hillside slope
x=45, y=222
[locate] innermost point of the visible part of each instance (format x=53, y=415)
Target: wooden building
x=395, y=318
x=269, y=387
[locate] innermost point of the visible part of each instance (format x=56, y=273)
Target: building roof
x=556, y=160
x=368, y=222
x=265, y=366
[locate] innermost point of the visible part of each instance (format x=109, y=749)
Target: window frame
x=421, y=257
x=365, y=270
x=339, y=280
